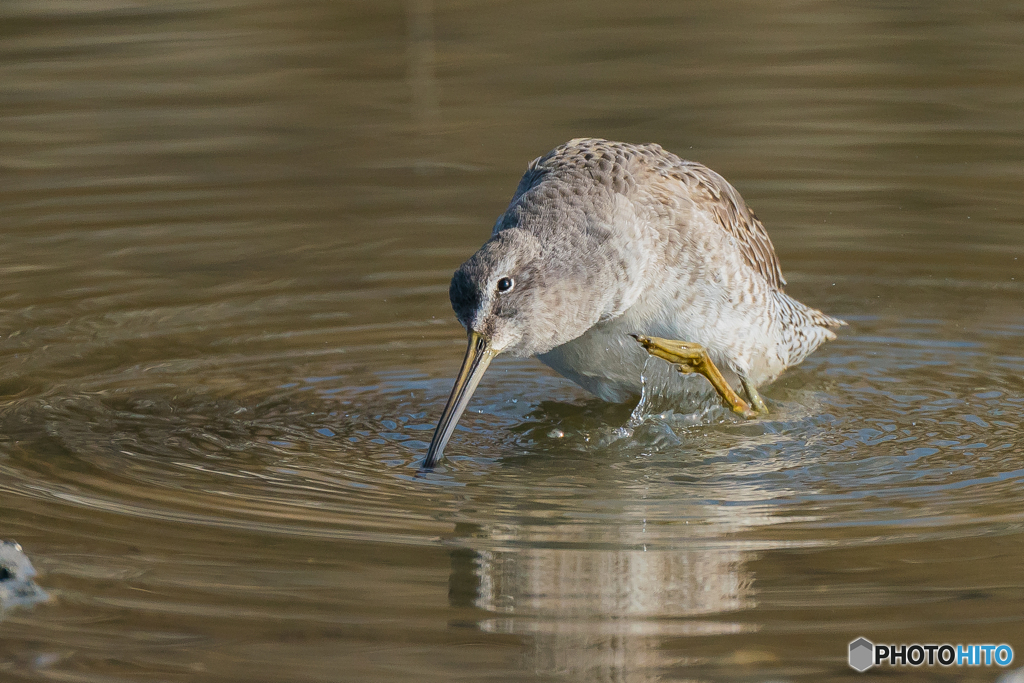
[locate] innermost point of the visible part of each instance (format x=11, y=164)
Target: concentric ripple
x=891, y=426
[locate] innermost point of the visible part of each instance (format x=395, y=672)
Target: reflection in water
x=597, y=606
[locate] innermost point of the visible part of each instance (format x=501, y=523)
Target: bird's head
x=512, y=297
x=499, y=294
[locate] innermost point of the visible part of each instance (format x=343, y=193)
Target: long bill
x=478, y=356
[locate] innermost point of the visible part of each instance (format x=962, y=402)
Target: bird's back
x=659, y=181
x=709, y=270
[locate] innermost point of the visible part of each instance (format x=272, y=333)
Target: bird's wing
x=616, y=165
x=712, y=193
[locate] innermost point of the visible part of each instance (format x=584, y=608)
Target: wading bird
x=611, y=251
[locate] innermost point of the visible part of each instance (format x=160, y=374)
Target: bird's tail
x=805, y=328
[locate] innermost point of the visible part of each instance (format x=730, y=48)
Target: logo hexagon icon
x=862, y=654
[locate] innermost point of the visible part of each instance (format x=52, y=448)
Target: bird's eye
x=505, y=284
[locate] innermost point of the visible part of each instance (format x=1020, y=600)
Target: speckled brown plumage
x=620, y=166
x=603, y=240
x=611, y=238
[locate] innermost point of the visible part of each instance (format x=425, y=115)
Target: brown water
x=228, y=230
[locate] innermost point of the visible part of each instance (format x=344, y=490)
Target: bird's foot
x=692, y=357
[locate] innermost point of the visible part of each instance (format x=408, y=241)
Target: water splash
x=651, y=413
x=643, y=406
x=673, y=398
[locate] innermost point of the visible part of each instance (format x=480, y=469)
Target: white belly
x=605, y=361
x=610, y=364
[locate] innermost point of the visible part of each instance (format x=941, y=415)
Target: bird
x=610, y=253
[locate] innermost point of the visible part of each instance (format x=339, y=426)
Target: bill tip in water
x=478, y=356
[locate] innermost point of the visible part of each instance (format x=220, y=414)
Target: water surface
x=228, y=233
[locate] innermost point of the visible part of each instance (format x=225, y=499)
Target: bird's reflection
x=596, y=603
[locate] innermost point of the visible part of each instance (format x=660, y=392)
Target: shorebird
x=611, y=251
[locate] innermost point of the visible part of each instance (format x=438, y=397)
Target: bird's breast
x=609, y=363
x=604, y=360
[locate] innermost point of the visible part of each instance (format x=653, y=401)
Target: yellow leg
x=755, y=398
x=691, y=357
